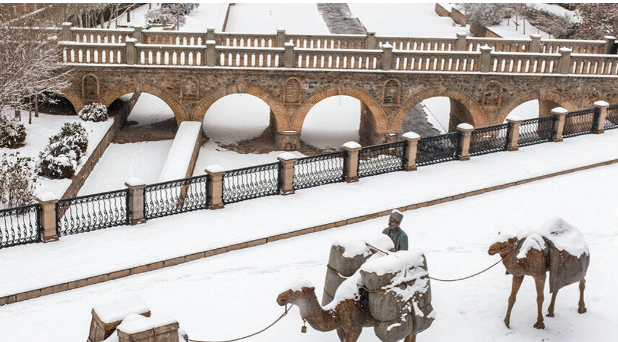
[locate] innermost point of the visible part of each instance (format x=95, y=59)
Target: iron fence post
x=49, y=216
x=136, y=201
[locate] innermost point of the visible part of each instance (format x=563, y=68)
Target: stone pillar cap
x=210, y=29
x=280, y=30
x=131, y=40
x=286, y=156
x=535, y=36
x=134, y=181
x=371, y=33
x=214, y=168
x=601, y=104
x=609, y=37
x=46, y=197
x=387, y=46
x=288, y=44
x=411, y=135
x=559, y=110
x=462, y=34
x=352, y=145
x=465, y=127
x=486, y=48
x=67, y=23
x=565, y=50
x=211, y=42
x=513, y=117
x=134, y=324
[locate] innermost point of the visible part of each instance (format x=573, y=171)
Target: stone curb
x=19, y=297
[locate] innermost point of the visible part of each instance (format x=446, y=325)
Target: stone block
x=324, y=227
x=236, y=247
x=256, y=242
x=174, y=262
x=27, y=295
x=341, y=223
x=118, y=274
x=139, y=269
x=155, y=266
x=194, y=256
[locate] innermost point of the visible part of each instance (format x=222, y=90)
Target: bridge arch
x=278, y=110
x=547, y=101
x=73, y=97
x=463, y=107
x=373, y=118
x=170, y=99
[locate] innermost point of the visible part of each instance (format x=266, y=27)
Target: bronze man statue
x=399, y=237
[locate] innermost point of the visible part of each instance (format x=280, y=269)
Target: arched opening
x=527, y=110
x=428, y=118
x=334, y=121
x=150, y=119
x=52, y=103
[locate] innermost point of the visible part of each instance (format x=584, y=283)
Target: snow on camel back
x=346, y=257
x=399, y=294
x=183, y=153
x=563, y=245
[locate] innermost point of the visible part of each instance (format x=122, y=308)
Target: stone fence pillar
x=513, y=136
x=286, y=172
x=138, y=34
x=609, y=45
x=387, y=56
x=288, y=55
x=461, y=44
x=215, y=188
x=136, y=200
x=485, y=61
x=65, y=34
x=280, y=40
x=411, y=148
x=560, y=114
x=535, y=43
x=351, y=163
x=210, y=34
x=371, y=42
x=464, y=144
x=600, y=123
x=48, y=201
x=130, y=51
x=565, y=60
x=211, y=53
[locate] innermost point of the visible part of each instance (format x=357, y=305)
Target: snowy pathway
x=39, y=265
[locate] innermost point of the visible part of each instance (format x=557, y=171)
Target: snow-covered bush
x=94, y=112
x=486, y=14
x=164, y=16
x=60, y=157
x=12, y=132
x=17, y=180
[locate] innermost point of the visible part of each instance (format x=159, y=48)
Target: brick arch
x=74, y=97
x=476, y=113
x=380, y=120
x=561, y=100
x=170, y=99
x=276, y=106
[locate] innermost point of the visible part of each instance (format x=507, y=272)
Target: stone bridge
x=484, y=82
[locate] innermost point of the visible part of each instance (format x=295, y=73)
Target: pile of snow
x=179, y=157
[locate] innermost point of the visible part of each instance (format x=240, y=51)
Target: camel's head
x=299, y=289
x=503, y=247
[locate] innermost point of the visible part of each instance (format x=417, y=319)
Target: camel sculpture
x=539, y=256
x=348, y=317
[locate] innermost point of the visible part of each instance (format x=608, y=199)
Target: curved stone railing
x=435, y=61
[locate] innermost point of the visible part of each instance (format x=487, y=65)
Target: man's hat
x=397, y=215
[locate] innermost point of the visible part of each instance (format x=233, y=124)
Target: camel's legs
x=550, y=310
x=410, y=338
x=517, y=280
x=582, y=305
x=540, y=286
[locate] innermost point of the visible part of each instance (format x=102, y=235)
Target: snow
x=286, y=156
x=559, y=110
x=514, y=117
x=215, y=168
x=298, y=285
x=179, y=157
x=296, y=18
x=331, y=122
x=207, y=15
x=394, y=263
x=137, y=323
x=46, y=196
x=134, y=181
x=564, y=236
x=117, y=309
x=356, y=246
x=352, y=145
x=236, y=117
x=411, y=135
x=601, y=104
x=465, y=126
x=148, y=110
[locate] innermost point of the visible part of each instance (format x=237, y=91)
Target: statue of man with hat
x=399, y=237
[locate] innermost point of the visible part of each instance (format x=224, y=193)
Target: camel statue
x=348, y=317
x=564, y=268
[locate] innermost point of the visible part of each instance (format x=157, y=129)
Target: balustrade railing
x=174, y=197
x=438, y=149
x=228, y=39
x=20, y=225
x=593, y=65
x=88, y=213
x=338, y=59
x=251, y=182
x=93, y=53
x=435, y=61
x=334, y=41
x=246, y=57
x=100, y=36
x=418, y=44
x=576, y=46
x=524, y=63
x=611, y=121
x=580, y=122
x=174, y=38
x=536, y=131
x=319, y=170
x=500, y=44
x=378, y=159
x=489, y=139
x=176, y=55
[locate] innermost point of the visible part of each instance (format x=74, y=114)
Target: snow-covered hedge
x=17, y=180
x=94, y=112
x=60, y=157
x=12, y=132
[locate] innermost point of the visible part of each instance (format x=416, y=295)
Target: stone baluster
x=513, y=136
x=565, y=60
x=281, y=38
x=288, y=56
x=464, y=144
x=535, y=43
x=66, y=34
x=485, y=62
x=136, y=200
x=371, y=41
x=286, y=172
x=351, y=163
x=461, y=44
x=609, y=45
x=47, y=220
x=387, y=56
x=215, y=188
x=411, y=148
x=602, y=107
x=560, y=114
x=130, y=52
x=211, y=53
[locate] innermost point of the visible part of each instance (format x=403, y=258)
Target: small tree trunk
x=30, y=111
x=36, y=105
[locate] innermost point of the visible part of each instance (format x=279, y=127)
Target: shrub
x=17, y=180
x=60, y=157
x=12, y=132
x=164, y=16
x=94, y=112
x=75, y=135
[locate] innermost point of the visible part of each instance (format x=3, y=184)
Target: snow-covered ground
x=332, y=122
x=207, y=15
x=38, y=134
x=149, y=109
x=295, y=18
x=234, y=294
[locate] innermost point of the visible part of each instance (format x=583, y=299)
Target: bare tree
x=597, y=20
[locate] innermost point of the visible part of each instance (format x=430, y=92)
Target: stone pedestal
x=411, y=148
x=113, y=312
x=153, y=330
x=602, y=115
x=560, y=114
x=136, y=200
x=48, y=202
x=215, y=187
x=286, y=172
x=464, y=144
x=287, y=140
x=513, y=137
x=387, y=56
x=351, y=163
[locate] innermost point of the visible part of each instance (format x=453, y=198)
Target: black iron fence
x=88, y=213
x=319, y=170
x=580, y=122
x=174, y=197
x=489, y=139
x=536, y=131
x=438, y=149
x=20, y=225
x=378, y=159
x=611, y=121
x=251, y=182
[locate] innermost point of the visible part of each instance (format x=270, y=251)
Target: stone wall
x=441, y=11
